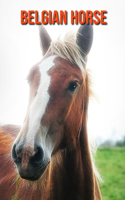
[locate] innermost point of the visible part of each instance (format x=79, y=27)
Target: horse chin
x=32, y=176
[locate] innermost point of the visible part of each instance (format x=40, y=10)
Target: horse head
x=58, y=102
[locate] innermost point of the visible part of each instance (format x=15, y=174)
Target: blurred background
x=20, y=50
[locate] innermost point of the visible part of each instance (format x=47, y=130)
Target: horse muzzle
x=31, y=163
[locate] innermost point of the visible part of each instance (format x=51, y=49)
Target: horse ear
x=84, y=38
x=45, y=39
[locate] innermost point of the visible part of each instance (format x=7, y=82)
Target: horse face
x=54, y=109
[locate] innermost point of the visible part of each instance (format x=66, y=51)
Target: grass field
x=111, y=165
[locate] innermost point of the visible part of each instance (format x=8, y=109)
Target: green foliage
x=15, y=197
x=120, y=143
x=111, y=165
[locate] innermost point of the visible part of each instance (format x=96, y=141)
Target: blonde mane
x=67, y=48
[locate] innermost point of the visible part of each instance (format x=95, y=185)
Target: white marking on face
x=38, y=106
x=45, y=141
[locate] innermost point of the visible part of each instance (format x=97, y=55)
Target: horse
x=49, y=156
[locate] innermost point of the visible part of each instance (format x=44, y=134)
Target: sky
x=20, y=50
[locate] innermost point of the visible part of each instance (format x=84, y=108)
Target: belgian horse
x=51, y=151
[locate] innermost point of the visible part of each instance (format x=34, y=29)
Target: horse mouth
x=36, y=175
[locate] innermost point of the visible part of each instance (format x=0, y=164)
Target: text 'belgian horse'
x=51, y=151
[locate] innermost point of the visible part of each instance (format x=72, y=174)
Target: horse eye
x=72, y=86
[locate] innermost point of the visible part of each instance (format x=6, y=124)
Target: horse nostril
x=14, y=155
x=38, y=157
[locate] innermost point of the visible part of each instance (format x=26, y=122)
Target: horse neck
x=72, y=176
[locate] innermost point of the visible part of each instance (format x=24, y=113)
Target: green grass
x=111, y=165
x=15, y=197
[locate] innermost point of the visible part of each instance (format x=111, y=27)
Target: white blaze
x=38, y=106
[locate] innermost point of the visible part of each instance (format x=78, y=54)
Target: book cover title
x=61, y=17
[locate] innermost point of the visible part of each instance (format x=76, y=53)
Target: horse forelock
x=66, y=47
